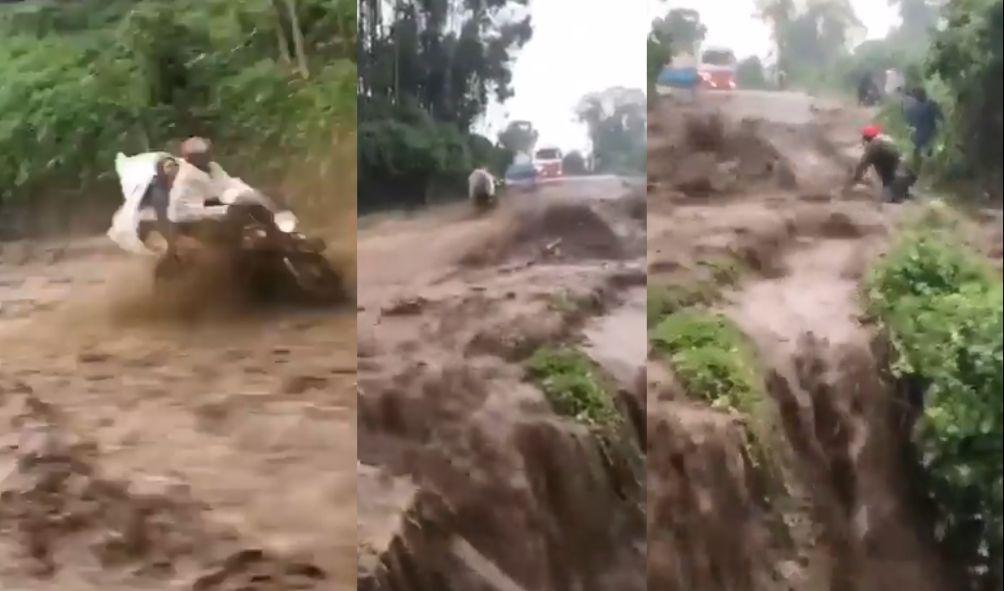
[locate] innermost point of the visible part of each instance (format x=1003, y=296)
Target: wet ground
x=755, y=179
x=146, y=451
x=468, y=479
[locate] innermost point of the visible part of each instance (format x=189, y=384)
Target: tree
x=427, y=71
x=919, y=18
x=574, y=163
x=967, y=57
x=616, y=121
x=751, y=74
x=519, y=137
x=811, y=38
x=681, y=29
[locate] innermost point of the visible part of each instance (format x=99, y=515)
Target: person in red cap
x=882, y=154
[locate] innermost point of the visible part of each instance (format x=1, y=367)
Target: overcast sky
x=731, y=22
x=578, y=47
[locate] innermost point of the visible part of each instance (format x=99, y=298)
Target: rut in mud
x=468, y=477
x=147, y=450
x=748, y=185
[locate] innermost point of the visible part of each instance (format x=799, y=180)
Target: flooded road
x=461, y=453
x=213, y=451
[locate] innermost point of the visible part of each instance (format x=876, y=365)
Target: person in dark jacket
x=923, y=115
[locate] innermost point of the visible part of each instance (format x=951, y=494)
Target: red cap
x=871, y=132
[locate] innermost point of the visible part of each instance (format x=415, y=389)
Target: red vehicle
x=718, y=69
x=547, y=161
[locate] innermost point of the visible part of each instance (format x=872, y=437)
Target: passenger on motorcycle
x=158, y=198
x=882, y=154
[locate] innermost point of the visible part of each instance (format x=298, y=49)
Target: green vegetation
x=271, y=82
x=427, y=71
x=711, y=357
x=964, y=69
x=943, y=309
x=750, y=73
x=573, y=386
x=616, y=120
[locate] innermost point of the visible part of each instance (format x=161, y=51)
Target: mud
x=840, y=513
x=468, y=479
x=144, y=449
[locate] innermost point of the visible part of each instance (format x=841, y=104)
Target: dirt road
x=469, y=479
x=746, y=221
x=143, y=451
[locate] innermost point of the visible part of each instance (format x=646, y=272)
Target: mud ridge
x=556, y=231
x=569, y=502
x=63, y=519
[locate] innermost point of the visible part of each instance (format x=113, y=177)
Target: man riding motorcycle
x=204, y=192
x=481, y=187
x=882, y=154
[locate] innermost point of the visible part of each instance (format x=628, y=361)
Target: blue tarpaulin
x=678, y=77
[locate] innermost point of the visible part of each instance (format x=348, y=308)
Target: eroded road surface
x=750, y=183
x=468, y=479
x=142, y=450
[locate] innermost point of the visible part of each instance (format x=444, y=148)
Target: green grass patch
x=573, y=385
x=711, y=357
x=942, y=306
x=716, y=363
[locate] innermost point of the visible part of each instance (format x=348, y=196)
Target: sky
x=578, y=47
x=731, y=22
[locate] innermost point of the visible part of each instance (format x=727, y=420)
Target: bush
x=711, y=357
x=84, y=80
x=571, y=383
x=943, y=308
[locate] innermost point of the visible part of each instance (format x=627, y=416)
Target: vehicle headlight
x=286, y=221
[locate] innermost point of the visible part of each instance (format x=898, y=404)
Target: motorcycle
x=485, y=201
x=269, y=262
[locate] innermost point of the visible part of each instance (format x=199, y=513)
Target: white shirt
x=193, y=187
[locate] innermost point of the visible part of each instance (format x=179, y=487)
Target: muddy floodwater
x=745, y=202
x=468, y=479
x=146, y=451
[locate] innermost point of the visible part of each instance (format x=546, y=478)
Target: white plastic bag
x=135, y=175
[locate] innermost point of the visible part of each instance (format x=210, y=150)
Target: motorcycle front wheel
x=315, y=278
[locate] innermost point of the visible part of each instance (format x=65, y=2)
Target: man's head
x=196, y=151
x=870, y=133
x=920, y=94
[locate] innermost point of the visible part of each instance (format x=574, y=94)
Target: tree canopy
x=616, y=120
x=270, y=81
x=427, y=70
